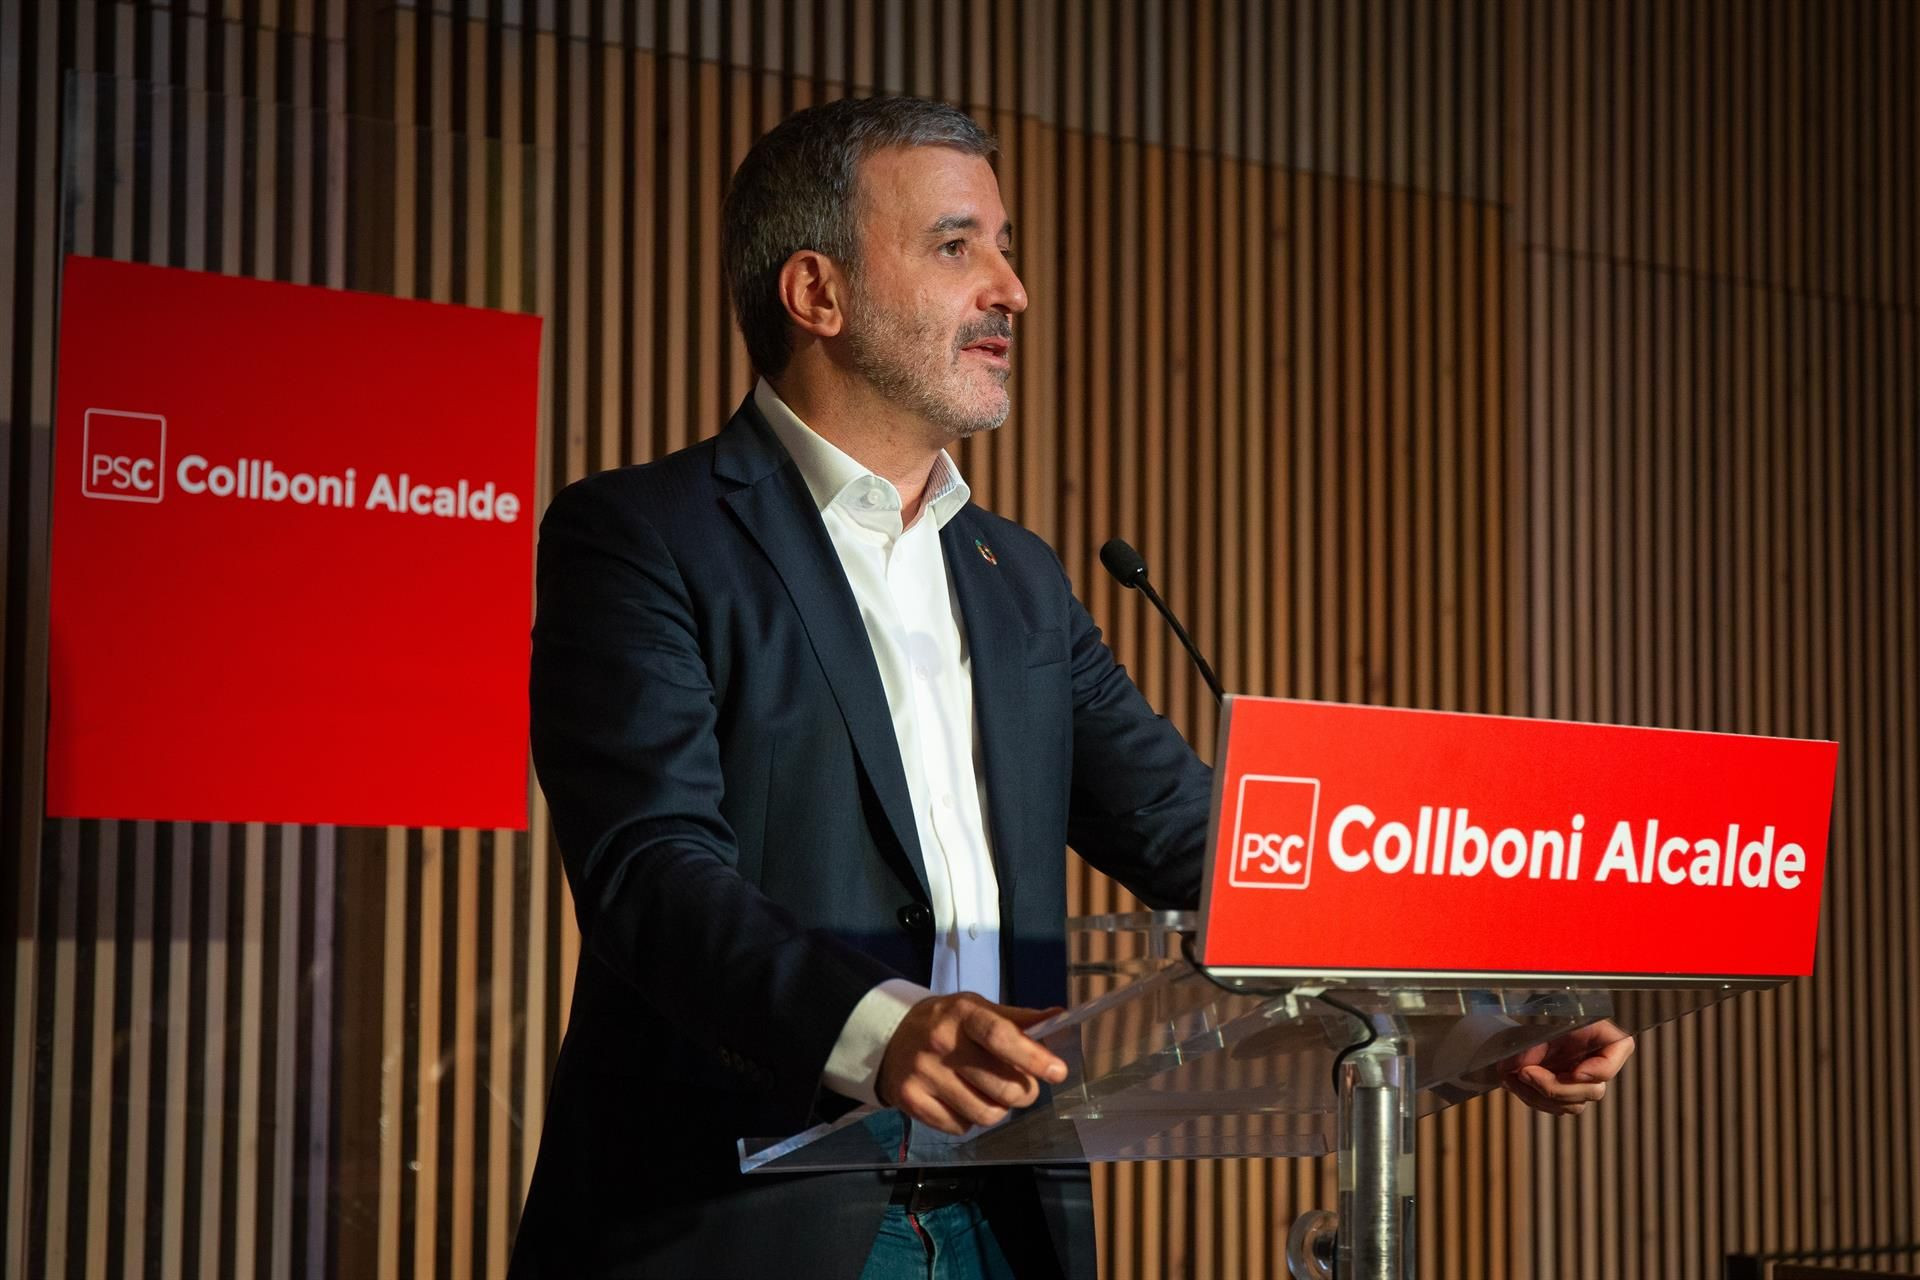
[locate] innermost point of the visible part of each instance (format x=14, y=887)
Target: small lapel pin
x=986, y=552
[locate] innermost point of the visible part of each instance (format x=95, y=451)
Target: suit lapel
x=778, y=512
x=996, y=653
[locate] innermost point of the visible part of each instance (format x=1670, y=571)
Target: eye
x=953, y=248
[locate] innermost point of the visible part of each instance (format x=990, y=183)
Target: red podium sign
x=292, y=553
x=1374, y=842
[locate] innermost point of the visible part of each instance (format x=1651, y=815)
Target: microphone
x=1129, y=569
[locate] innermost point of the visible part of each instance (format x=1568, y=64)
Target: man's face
x=930, y=317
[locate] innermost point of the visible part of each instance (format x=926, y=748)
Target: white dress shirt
x=900, y=582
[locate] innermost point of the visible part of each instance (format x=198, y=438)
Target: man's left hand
x=1562, y=1076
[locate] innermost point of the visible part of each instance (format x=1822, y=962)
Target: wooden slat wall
x=1553, y=358
x=1718, y=417
x=170, y=995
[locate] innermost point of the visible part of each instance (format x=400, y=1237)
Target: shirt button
x=973, y=931
x=872, y=499
x=946, y=801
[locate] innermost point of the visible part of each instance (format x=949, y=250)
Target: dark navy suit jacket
x=713, y=739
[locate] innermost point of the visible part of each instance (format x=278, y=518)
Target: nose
x=1006, y=293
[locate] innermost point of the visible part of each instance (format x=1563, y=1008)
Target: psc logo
x=123, y=456
x=1273, y=832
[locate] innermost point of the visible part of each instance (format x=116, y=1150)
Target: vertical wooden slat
x=393, y=1034
x=59, y=1158
x=1906, y=779
x=285, y=1006
x=498, y=1202
x=213, y=945
x=463, y=1058
x=248, y=1021
x=22, y=93
x=424, y=1043
x=140, y=1088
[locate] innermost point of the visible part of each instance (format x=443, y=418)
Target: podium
x=1394, y=904
x=1168, y=1062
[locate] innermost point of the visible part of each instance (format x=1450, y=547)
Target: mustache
x=993, y=326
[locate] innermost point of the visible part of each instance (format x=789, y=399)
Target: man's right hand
x=960, y=1060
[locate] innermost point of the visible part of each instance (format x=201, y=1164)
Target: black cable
x=1186, y=949
x=1366, y=1023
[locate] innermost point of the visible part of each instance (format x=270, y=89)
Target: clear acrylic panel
x=1166, y=1063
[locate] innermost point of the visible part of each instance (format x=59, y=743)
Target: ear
x=813, y=290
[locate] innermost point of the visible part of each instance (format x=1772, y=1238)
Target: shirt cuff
x=853, y=1068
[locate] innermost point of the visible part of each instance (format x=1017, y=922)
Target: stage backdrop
x=1556, y=359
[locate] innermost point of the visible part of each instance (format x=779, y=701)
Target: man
x=814, y=731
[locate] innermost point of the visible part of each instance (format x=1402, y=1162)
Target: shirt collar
x=834, y=478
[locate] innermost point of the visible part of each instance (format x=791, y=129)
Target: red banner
x=292, y=553
x=1378, y=842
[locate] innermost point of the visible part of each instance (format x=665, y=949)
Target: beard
x=911, y=362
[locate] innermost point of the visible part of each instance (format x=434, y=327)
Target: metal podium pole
x=1372, y=1238
x=1376, y=1160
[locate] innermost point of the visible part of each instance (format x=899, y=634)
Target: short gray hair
x=797, y=189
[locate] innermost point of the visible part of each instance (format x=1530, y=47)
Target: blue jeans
x=953, y=1242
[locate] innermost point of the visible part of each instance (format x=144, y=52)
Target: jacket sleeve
x=1140, y=796
x=623, y=726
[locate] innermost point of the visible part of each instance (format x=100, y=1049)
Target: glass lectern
x=1168, y=1062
